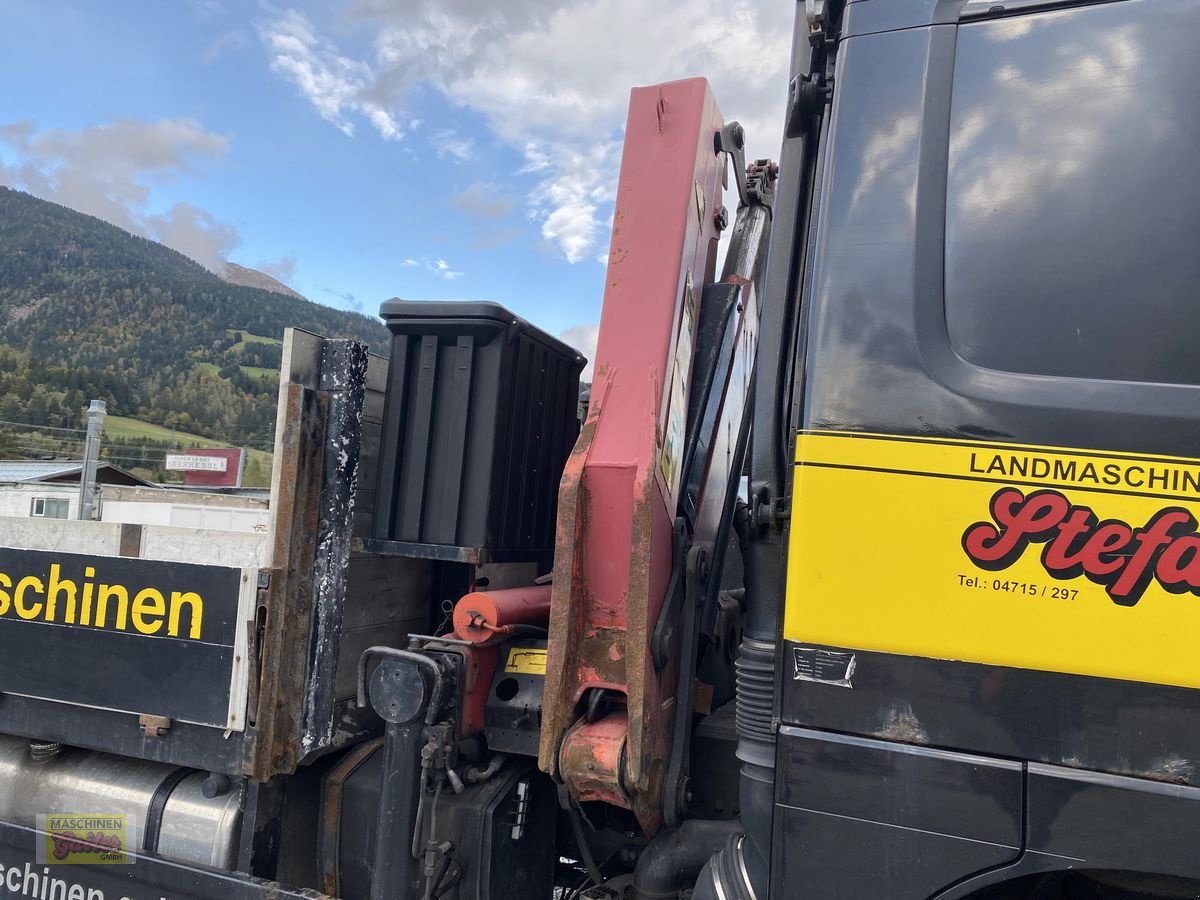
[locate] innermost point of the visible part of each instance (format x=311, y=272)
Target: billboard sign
x=209, y=466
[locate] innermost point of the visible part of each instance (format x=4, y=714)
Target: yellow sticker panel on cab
x=1076, y=561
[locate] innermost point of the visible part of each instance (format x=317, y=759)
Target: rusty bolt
x=721, y=219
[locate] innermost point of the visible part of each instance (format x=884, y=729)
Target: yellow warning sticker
x=1063, y=560
x=526, y=661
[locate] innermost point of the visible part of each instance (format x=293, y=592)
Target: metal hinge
x=807, y=95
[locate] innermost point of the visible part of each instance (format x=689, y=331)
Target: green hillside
x=125, y=440
x=88, y=310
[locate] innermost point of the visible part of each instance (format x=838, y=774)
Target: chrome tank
x=194, y=829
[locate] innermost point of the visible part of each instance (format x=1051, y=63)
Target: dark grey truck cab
x=995, y=275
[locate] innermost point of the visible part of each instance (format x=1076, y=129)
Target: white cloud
x=447, y=142
x=334, y=84
x=583, y=338
x=568, y=201
x=436, y=265
x=537, y=159
x=440, y=267
x=282, y=269
x=552, y=78
x=108, y=171
x=196, y=233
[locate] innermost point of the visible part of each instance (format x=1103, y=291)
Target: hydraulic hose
x=741, y=869
x=585, y=850
x=674, y=858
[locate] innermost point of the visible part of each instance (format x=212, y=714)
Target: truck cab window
x=1071, y=213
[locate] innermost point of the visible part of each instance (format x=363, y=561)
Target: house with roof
x=49, y=488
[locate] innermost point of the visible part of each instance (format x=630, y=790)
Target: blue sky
x=359, y=150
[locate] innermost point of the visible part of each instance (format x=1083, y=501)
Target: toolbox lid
x=408, y=315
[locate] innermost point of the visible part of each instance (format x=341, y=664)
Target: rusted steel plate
x=619, y=491
x=283, y=660
x=594, y=752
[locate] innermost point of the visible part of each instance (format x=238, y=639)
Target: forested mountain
x=88, y=310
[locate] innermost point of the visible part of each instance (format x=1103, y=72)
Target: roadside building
x=49, y=489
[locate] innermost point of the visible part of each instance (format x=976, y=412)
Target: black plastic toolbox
x=480, y=415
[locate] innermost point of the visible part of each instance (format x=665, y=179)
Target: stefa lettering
x=1109, y=552
x=1138, y=476
x=116, y=607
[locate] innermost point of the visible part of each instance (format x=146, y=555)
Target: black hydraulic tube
x=674, y=858
x=401, y=690
x=741, y=869
x=581, y=842
x=395, y=867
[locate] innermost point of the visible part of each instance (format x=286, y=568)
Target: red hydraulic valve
x=482, y=615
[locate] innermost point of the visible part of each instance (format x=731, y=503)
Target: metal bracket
x=663, y=636
x=816, y=13
x=807, y=94
x=731, y=140
x=154, y=726
x=676, y=785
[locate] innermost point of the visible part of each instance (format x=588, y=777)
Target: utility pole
x=91, y=454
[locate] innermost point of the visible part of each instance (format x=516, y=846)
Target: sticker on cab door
x=1077, y=561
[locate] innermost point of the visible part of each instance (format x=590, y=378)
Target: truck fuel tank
x=165, y=807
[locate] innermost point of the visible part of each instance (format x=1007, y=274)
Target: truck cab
x=986, y=671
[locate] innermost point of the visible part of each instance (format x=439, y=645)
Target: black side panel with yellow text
x=126, y=634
